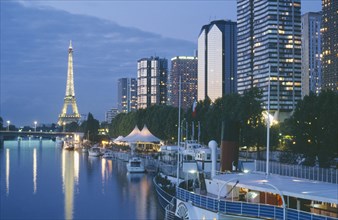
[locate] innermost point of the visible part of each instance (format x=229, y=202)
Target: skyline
x=104, y=50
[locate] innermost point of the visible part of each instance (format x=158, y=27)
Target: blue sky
x=108, y=39
x=180, y=19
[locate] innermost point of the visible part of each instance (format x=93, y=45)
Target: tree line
x=311, y=131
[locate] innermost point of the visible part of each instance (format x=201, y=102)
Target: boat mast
x=179, y=132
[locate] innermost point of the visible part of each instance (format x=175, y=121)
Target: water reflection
x=7, y=171
x=139, y=191
x=70, y=177
x=81, y=187
x=76, y=167
x=34, y=171
x=106, y=169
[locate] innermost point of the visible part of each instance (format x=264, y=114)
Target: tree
x=72, y=127
x=91, y=127
x=314, y=128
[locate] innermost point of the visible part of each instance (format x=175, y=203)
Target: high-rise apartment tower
x=186, y=68
x=126, y=95
x=269, y=52
x=311, y=53
x=330, y=44
x=152, y=76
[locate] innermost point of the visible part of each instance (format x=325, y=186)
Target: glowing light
x=76, y=167
x=35, y=171
x=7, y=171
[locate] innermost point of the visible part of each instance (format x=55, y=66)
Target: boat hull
x=163, y=197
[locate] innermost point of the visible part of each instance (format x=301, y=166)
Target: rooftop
x=289, y=186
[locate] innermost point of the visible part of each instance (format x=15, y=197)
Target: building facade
x=311, y=53
x=111, y=114
x=152, y=76
x=269, y=52
x=330, y=44
x=217, y=59
x=186, y=68
x=127, y=94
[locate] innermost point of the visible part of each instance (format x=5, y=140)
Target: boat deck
x=289, y=186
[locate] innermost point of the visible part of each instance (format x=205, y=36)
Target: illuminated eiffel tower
x=64, y=117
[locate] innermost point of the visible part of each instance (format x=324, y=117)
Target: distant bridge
x=10, y=134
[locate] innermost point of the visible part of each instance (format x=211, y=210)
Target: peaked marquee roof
x=141, y=136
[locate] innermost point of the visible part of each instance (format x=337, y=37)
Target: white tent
x=119, y=138
x=141, y=136
x=147, y=136
x=130, y=137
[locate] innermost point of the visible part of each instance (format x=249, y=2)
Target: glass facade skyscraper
x=269, y=51
x=311, y=53
x=217, y=59
x=152, y=76
x=330, y=44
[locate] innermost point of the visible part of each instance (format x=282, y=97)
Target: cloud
x=34, y=56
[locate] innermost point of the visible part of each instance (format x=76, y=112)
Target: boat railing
x=255, y=210
x=328, y=175
x=170, y=210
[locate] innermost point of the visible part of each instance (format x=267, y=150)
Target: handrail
x=244, y=208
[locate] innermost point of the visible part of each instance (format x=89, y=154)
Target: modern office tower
x=126, y=95
x=330, y=44
x=311, y=53
x=269, y=52
x=186, y=68
x=111, y=114
x=217, y=59
x=152, y=76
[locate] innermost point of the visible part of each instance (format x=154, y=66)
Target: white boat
x=68, y=145
x=135, y=165
x=94, y=151
x=108, y=154
x=254, y=195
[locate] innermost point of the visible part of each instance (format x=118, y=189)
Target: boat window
x=135, y=164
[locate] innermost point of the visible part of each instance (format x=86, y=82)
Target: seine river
x=46, y=182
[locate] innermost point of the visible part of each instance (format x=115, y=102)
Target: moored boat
x=135, y=165
x=94, y=151
x=108, y=154
x=68, y=145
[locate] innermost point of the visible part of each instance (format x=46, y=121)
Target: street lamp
x=35, y=122
x=64, y=126
x=8, y=122
x=281, y=194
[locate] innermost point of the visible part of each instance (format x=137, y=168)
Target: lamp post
x=268, y=128
x=8, y=123
x=64, y=126
x=281, y=194
x=35, y=122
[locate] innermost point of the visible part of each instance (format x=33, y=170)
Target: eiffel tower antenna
x=64, y=117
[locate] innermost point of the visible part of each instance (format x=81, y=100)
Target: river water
x=47, y=182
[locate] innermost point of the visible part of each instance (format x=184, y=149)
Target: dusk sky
x=108, y=38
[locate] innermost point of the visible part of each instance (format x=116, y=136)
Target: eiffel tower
x=64, y=117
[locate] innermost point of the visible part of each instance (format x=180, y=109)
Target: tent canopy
x=141, y=136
